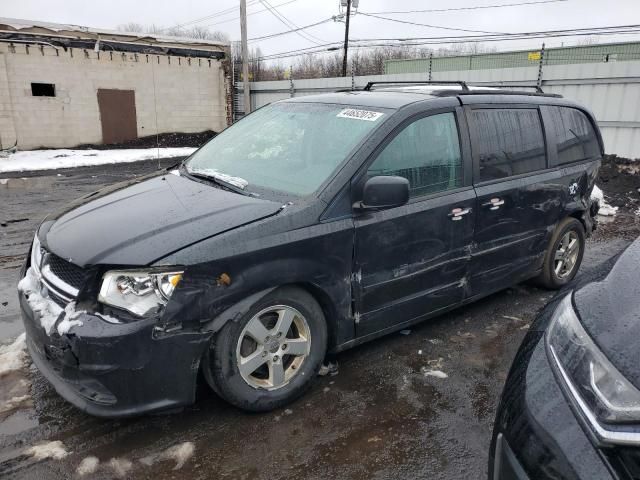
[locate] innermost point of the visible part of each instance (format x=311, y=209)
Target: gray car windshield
x=285, y=147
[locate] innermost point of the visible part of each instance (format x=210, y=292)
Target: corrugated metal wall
x=611, y=90
x=617, y=52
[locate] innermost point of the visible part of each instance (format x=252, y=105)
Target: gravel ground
x=379, y=417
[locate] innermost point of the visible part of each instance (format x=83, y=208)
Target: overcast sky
x=551, y=16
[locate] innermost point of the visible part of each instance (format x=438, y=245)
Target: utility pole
x=346, y=40
x=245, y=57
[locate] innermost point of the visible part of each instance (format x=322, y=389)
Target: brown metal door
x=117, y=115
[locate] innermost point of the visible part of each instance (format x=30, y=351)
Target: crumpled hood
x=610, y=312
x=138, y=222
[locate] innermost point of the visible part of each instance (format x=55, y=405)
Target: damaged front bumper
x=116, y=370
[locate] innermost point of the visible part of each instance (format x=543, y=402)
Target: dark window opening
x=576, y=139
x=510, y=142
x=427, y=153
x=43, y=89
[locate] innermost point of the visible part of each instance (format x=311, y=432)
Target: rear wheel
x=272, y=354
x=564, y=254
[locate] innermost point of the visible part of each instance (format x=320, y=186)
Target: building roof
x=77, y=36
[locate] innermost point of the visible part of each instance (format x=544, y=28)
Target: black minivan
x=312, y=225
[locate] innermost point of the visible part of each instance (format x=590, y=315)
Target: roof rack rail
x=537, y=88
x=460, y=83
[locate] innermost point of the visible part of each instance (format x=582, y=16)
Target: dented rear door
x=516, y=208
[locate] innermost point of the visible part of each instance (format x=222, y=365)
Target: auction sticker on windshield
x=360, y=114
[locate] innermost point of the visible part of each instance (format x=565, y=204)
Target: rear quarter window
x=576, y=138
x=508, y=142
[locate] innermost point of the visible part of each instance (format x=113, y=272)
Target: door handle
x=494, y=203
x=457, y=213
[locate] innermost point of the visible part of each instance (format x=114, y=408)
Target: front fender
x=235, y=312
x=212, y=294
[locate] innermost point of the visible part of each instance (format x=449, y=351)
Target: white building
x=66, y=85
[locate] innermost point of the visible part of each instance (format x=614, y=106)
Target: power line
x=290, y=24
x=481, y=40
x=426, y=25
x=299, y=29
x=594, y=30
x=265, y=37
x=249, y=14
x=208, y=17
x=456, y=9
x=421, y=41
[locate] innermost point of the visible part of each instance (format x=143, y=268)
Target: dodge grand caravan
x=312, y=225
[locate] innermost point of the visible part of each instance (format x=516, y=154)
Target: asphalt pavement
x=380, y=417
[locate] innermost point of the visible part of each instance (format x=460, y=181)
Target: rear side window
x=575, y=137
x=427, y=153
x=509, y=142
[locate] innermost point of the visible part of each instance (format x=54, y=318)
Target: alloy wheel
x=272, y=347
x=566, y=256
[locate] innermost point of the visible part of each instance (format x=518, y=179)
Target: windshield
x=286, y=147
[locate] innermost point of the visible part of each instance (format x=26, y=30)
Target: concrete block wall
x=172, y=94
x=7, y=129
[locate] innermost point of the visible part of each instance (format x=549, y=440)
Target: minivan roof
x=377, y=98
x=398, y=97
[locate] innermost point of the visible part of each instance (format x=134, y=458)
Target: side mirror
x=384, y=192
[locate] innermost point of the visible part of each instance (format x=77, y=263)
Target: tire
x=558, y=272
x=279, y=377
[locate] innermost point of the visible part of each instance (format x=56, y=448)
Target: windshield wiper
x=225, y=181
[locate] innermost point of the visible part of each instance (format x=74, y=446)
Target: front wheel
x=270, y=356
x=564, y=254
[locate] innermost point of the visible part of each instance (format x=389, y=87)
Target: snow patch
x=46, y=309
x=69, y=320
x=13, y=356
x=65, y=325
x=15, y=403
x=180, y=453
x=42, y=451
x=108, y=318
x=435, y=373
x=605, y=209
x=88, y=466
x=433, y=370
x=120, y=466
x=65, y=158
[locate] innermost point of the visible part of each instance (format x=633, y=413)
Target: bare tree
x=196, y=32
x=589, y=41
x=131, y=27
x=203, y=33
x=364, y=62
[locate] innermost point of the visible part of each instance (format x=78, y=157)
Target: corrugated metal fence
x=606, y=53
x=611, y=89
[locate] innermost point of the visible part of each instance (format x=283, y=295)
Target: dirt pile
x=619, y=179
x=175, y=139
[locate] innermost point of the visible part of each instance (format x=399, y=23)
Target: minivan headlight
x=139, y=292
x=601, y=388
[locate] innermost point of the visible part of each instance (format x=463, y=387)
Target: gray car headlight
x=139, y=292
x=598, y=386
